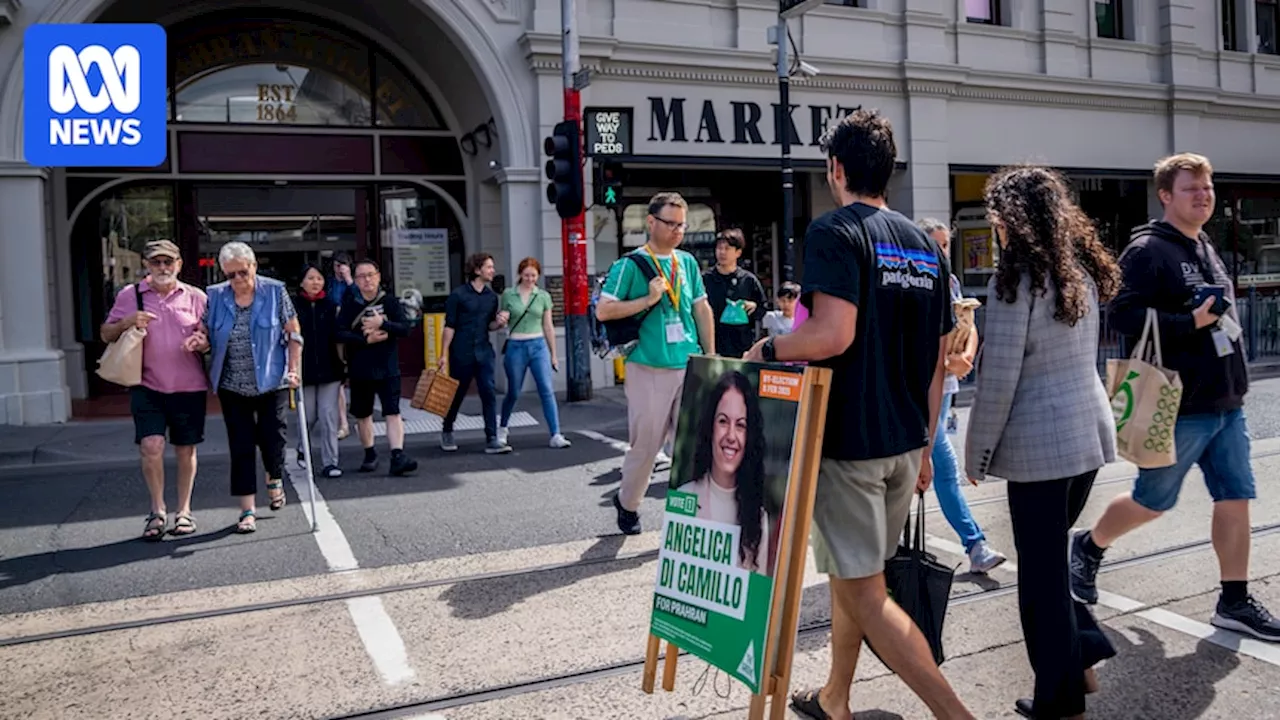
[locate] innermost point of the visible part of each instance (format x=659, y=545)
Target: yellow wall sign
x=433, y=333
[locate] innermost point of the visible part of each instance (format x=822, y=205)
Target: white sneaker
x=502, y=435
x=661, y=462
x=983, y=559
x=560, y=441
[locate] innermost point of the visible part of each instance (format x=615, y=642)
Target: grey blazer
x=1041, y=411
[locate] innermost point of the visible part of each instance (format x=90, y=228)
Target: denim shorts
x=1219, y=444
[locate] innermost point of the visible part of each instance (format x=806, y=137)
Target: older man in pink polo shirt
x=174, y=384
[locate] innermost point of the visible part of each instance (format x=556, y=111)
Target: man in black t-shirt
x=879, y=311
x=727, y=283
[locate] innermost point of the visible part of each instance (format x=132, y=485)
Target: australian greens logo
x=1122, y=402
x=1160, y=428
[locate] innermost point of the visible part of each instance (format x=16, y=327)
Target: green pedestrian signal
x=610, y=196
x=608, y=184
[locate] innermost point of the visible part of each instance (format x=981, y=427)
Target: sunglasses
x=236, y=274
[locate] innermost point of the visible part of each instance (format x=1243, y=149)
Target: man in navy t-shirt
x=879, y=311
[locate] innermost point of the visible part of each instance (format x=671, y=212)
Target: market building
x=411, y=132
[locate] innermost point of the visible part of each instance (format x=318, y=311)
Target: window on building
x=847, y=3
x=1268, y=12
x=982, y=11
x=278, y=72
x=1230, y=30
x=1110, y=18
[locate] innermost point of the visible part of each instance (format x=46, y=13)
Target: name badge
x=675, y=331
x=1233, y=329
x=1221, y=342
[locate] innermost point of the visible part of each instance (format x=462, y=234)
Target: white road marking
x=614, y=443
x=377, y=632
x=956, y=548
x=1235, y=642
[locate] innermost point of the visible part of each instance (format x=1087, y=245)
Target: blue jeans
x=530, y=355
x=946, y=483
x=1219, y=444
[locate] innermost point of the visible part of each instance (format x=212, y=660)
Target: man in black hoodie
x=370, y=323
x=1164, y=265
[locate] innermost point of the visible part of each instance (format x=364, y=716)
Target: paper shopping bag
x=1145, y=397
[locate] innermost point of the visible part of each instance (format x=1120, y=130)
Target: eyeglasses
x=162, y=261
x=236, y=274
x=366, y=276
x=677, y=226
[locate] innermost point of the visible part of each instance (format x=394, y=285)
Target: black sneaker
x=370, y=463
x=628, y=521
x=1247, y=616
x=1084, y=571
x=402, y=464
x=302, y=461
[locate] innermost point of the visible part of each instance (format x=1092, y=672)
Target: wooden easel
x=788, y=579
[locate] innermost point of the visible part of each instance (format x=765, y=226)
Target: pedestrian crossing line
x=378, y=633
x=614, y=443
x=1235, y=642
x=420, y=422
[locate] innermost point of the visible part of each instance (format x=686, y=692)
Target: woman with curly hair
x=728, y=467
x=1041, y=418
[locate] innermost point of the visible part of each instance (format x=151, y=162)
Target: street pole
x=784, y=132
x=573, y=234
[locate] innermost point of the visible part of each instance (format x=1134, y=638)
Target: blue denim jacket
x=270, y=346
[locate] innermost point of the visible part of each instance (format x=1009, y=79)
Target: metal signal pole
x=573, y=230
x=784, y=132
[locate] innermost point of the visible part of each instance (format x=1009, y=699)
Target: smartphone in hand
x=1218, y=292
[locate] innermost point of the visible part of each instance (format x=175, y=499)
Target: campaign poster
x=733, y=453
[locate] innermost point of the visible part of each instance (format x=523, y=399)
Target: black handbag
x=920, y=584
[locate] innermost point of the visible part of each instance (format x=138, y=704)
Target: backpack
x=622, y=334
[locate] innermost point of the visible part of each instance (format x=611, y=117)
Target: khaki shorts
x=859, y=511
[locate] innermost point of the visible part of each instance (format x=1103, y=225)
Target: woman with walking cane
x=1041, y=418
x=251, y=329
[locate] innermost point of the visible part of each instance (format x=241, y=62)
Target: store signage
x=737, y=122
x=608, y=131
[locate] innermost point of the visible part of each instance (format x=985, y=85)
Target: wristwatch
x=766, y=351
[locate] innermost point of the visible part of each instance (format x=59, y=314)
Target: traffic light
x=608, y=185
x=564, y=169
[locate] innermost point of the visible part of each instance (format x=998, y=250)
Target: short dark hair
x=789, y=289
x=863, y=145
x=732, y=237
x=341, y=258
x=476, y=261
x=663, y=199
x=366, y=261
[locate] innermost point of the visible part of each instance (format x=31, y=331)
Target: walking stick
x=299, y=399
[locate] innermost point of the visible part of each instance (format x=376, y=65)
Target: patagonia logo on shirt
x=906, y=268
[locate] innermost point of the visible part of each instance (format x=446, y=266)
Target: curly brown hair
x=1048, y=237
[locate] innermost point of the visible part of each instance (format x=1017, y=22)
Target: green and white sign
x=732, y=459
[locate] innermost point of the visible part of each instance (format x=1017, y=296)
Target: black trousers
x=1063, y=638
x=482, y=372
x=254, y=424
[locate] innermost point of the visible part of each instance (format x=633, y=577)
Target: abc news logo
x=95, y=95
x=69, y=90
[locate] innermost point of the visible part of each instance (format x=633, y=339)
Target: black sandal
x=806, y=703
x=183, y=525
x=154, y=532
x=277, y=501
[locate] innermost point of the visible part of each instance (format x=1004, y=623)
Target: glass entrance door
x=288, y=226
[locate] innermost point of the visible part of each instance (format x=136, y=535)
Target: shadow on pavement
x=479, y=599
x=27, y=569
x=1142, y=681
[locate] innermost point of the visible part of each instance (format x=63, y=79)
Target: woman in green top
x=531, y=346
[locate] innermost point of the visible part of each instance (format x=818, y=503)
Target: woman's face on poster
x=729, y=437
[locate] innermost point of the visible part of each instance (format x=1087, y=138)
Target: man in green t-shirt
x=679, y=324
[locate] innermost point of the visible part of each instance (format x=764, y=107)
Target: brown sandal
x=184, y=524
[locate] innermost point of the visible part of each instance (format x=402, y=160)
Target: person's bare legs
x=343, y=428
x=1232, y=537
x=1123, y=515
x=846, y=645
x=897, y=640
x=186, y=476
x=151, y=452
x=364, y=428
x=395, y=431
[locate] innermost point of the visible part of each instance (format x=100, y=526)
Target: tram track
x=475, y=697
x=455, y=700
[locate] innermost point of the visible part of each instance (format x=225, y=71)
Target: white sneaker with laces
x=502, y=435
x=560, y=441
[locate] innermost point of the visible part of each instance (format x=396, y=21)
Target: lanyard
x=673, y=283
